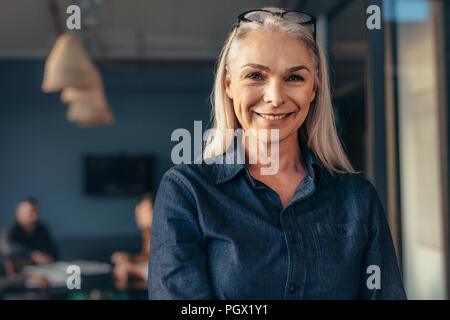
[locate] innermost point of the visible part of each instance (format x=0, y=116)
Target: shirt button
x=292, y=288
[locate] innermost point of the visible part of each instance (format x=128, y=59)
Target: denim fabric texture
x=218, y=233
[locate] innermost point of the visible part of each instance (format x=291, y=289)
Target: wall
x=41, y=153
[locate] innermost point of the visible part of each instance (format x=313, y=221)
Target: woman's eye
x=255, y=76
x=295, y=77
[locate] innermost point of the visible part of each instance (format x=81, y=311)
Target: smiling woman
x=312, y=230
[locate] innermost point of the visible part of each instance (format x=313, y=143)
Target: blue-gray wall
x=41, y=152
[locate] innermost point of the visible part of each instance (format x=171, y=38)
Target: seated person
x=19, y=282
x=131, y=268
x=27, y=240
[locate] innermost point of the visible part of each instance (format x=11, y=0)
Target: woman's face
x=271, y=82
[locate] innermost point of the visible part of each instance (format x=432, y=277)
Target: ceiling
x=132, y=29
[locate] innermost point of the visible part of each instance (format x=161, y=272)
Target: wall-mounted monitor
x=118, y=175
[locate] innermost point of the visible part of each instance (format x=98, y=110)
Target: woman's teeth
x=271, y=117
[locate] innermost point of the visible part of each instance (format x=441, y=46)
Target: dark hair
x=150, y=196
x=30, y=200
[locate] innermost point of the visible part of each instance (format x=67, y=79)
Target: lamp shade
x=87, y=115
x=91, y=96
x=69, y=65
x=87, y=106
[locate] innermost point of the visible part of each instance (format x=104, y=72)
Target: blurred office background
x=156, y=60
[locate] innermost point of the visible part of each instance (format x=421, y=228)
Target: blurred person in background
x=27, y=240
x=20, y=282
x=133, y=268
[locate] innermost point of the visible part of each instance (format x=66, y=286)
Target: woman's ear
x=315, y=88
x=228, y=83
x=313, y=96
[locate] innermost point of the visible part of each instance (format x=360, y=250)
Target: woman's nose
x=274, y=94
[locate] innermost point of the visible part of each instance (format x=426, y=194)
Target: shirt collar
x=228, y=171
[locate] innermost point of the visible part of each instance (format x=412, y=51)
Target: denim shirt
x=218, y=233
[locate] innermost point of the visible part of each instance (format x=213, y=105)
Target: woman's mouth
x=274, y=117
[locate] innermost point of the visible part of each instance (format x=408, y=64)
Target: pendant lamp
x=87, y=106
x=69, y=65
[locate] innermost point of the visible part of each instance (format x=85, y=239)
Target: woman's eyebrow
x=256, y=66
x=262, y=67
x=296, y=68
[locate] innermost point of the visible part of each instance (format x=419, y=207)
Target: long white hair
x=318, y=131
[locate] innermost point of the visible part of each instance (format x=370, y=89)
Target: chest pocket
x=340, y=249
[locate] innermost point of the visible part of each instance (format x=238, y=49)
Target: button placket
x=297, y=278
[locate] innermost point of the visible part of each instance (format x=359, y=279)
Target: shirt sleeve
x=178, y=262
x=16, y=281
x=48, y=244
x=380, y=274
x=10, y=245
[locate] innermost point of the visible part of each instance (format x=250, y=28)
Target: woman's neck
x=287, y=153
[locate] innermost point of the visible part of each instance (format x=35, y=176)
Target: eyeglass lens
x=297, y=17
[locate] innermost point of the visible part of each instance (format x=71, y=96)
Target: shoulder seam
x=179, y=178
